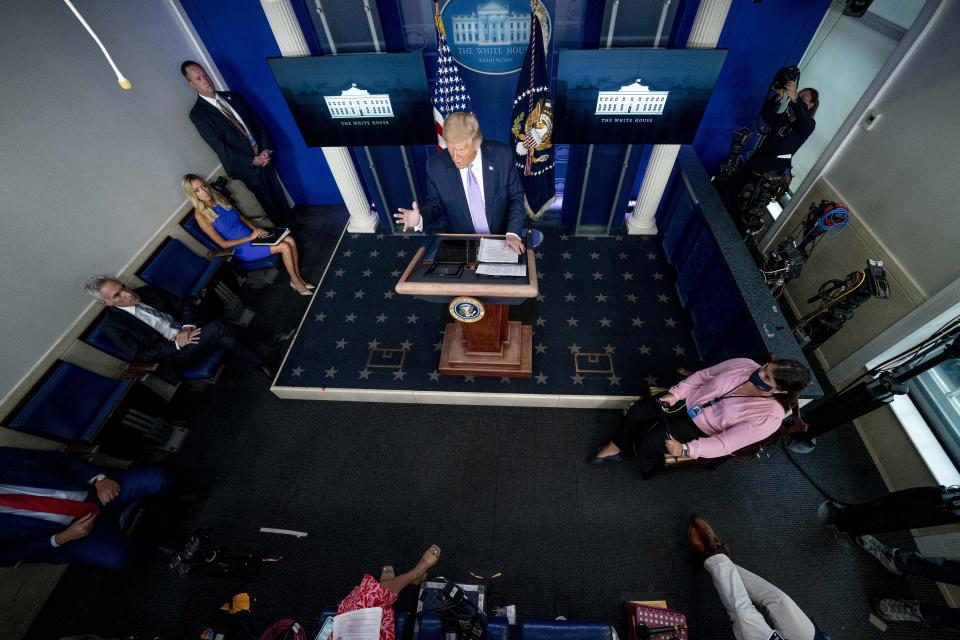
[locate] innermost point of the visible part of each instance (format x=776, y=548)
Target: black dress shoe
x=595, y=459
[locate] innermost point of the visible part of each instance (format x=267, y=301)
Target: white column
x=704, y=34
x=289, y=36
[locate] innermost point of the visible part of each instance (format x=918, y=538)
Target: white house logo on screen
x=631, y=100
x=359, y=103
x=489, y=36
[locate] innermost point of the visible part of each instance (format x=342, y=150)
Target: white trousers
x=741, y=590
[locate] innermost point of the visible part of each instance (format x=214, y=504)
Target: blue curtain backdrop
x=761, y=37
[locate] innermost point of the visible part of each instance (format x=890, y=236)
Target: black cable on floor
x=806, y=475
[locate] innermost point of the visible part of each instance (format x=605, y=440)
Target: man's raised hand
x=408, y=217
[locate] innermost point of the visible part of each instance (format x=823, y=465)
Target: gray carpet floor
x=499, y=489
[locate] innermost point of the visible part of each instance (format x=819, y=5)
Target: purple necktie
x=475, y=199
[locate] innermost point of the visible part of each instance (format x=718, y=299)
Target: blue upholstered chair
x=70, y=404
x=544, y=629
x=177, y=269
x=431, y=628
x=190, y=225
x=201, y=373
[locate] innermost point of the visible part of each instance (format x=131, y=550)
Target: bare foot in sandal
x=429, y=558
x=387, y=573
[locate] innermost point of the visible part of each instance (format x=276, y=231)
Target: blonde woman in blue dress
x=231, y=230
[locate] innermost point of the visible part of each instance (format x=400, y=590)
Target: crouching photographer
x=789, y=118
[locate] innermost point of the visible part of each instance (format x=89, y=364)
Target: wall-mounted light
x=123, y=82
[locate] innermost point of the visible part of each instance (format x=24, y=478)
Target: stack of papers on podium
x=497, y=260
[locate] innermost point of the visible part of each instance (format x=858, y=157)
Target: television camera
x=200, y=555
x=785, y=262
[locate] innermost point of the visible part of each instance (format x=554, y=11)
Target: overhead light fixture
x=123, y=82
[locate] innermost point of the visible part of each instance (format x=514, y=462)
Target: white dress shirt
x=162, y=327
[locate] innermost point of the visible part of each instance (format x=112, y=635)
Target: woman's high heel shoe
x=305, y=292
x=310, y=286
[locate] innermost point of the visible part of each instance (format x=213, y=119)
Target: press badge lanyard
x=697, y=409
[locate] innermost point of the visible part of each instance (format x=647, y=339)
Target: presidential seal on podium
x=466, y=309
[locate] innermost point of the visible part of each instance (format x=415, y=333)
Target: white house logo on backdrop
x=359, y=103
x=488, y=36
x=631, y=99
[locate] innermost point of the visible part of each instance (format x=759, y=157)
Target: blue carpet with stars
x=607, y=322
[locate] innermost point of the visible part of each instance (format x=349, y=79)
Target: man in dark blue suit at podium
x=58, y=508
x=474, y=188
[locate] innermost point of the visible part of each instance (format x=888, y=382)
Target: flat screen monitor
x=633, y=96
x=358, y=99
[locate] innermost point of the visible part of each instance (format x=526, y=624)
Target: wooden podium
x=492, y=344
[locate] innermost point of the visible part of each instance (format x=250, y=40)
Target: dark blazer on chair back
x=23, y=536
x=502, y=192
x=226, y=140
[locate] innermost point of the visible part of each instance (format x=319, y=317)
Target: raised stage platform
x=606, y=325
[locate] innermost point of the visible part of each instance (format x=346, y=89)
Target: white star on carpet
x=570, y=297
x=541, y=297
x=594, y=255
x=382, y=318
x=631, y=297
x=367, y=273
x=577, y=379
x=623, y=255
x=651, y=256
x=468, y=379
x=657, y=275
x=618, y=238
x=572, y=322
x=329, y=293
x=412, y=318
x=438, y=345
x=354, y=236
x=395, y=273
x=541, y=348
x=374, y=254
x=364, y=374
x=597, y=275
x=405, y=345
x=401, y=254
x=350, y=317
x=662, y=297
x=574, y=348
x=342, y=343
x=637, y=322
x=670, y=322
x=644, y=350
x=567, y=275
x=381, y=236
x=330, y=373
x=650, y=380
x=604, y=323
x=320, y=317
x=504, y=379
x=541, y=321
x=347, y=253
x=609, y=349
x=388, y=295
x=614, y=379
x=540, y=275
x=566, y=255
x=601, y=297
x=680, y=351
x=434, y=375
x=398, y=375
x=358, y=295
x=296, y=372
x=564, y=236
x=627, y=275
x=541, y=379
x=339, y=273
x=373, y=344
x=539, y=256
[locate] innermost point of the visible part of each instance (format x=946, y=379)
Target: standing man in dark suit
x=473, y=188
x=151, y=325
x=57, y=508
x=239, y=139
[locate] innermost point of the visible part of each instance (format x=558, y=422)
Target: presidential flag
x=532, y=121
x=449, y=93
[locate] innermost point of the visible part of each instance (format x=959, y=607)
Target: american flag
x=449, y=93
